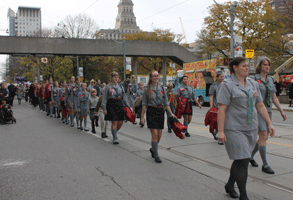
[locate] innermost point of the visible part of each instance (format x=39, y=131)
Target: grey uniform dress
x=114, y=100
x=155, y=106
x=76, y=90
x=82, y=104
x=55, y=97
x=241, y=137
x=267, y=98
x=139, y=93
x=69, y=98
x=133, y=88
x=188, y=93
x=213, y=90
x=92, y=104
x=20, y=94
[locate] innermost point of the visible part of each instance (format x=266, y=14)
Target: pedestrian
x=213, y=90
x=132, y=90
x=278, y=88
x=91, y=86
x=34, y=96
x=268, y=92
x=154, y=102
x=76, y=90
x=290, y=93
x=113, y=102
x=240, y=101
x=82, y=106
x=40, y=96
x=63, y=95
x=138, y=100
x=125, y=85
x=12, y=93
x=92, y=104
x=48, y=97
x=20, y=94
x=55, y=99
x=185, y=94
x=26, y=92
x=3, y=91
x=172, y=103
x=99, y=110
x=98, y=88
x=69, y=101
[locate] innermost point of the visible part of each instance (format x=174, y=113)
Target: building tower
x=11, y=15
x=126, y=20
x=28, y=21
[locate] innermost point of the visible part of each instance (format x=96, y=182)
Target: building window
x=30, y=13
x=23, y=13
x=37, y=24
x=34, y=13
x=26, y=13
x=30, y=20
x=26, y=23
x=20, y=13
x=131, y=20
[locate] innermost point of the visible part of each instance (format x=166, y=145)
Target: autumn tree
x=258, y=24
x=147, y=64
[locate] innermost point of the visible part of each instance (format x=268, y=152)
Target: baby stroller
x=6, y=114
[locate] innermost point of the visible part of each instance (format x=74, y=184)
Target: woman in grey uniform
x=82, y=106
x=113, y=102
x=213, y=90
x=55, y=98
x=133, y=88
x=240, y=101
x=154, y=102
x=139, y=95
x=187, y=92
x=92, y=103
x=268, y=91
x=76, y=90
x=69, y=101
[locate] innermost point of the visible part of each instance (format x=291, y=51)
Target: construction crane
x=183, y=31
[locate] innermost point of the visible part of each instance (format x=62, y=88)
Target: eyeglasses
x=155, y=76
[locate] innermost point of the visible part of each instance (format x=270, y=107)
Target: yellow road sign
x=249, y=53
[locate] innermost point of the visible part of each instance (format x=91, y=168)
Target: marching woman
x=213, y=90
x=172, y=103
x=82, y=106
x=154, y=102
x=101, y=115
x=133, y=88
x=268, y=92
x=47, y=97
x=92, y=103
x=55, y=99
x=63, y=95
x=113, y=102
x=69, y=101
x=139, y=95
x=240, y=101
x=76, y=90
x=186, y=93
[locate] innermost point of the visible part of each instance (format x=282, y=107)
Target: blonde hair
x=258, y=67
x=148, y=84
x=92, y=91
x=114, y=74
x=170, y=85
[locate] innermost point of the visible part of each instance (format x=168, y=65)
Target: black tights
x=238, y=174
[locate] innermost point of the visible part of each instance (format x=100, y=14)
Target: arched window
x=131, y=20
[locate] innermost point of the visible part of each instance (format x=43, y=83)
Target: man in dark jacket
x=12, y=92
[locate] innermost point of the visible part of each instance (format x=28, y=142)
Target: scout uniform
x=68, y=100
x=186, y=92
x=82, y=105
x=20, y=94
x=63, y=95
x=103, y=122
x=213, y=90
x=241, y=117
x=113, y=101
x=132, y=90
x=267, y=90
x=99, y=89
x=155, y=106
x=55, y=99
x=92, y=103
x=171, y=96
x=138, y=110
x=76, y=90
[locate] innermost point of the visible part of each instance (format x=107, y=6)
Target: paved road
x=41, y=158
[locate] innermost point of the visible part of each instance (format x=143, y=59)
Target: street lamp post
x=232, y=19
x=124, y=67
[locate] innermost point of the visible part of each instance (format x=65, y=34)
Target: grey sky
x=104, y=12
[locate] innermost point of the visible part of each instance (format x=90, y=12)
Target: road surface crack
x=114, y=181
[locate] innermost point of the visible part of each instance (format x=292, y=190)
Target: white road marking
x=11, y=163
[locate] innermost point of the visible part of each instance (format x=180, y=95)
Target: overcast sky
x=104, y=12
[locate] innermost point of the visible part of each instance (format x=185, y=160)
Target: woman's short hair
x=258, y=67
x=183, y=77
x=92, y=91
x=170, y=85
x=236, y=62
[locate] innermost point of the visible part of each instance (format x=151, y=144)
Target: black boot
x=97, y=119
x=93, y=127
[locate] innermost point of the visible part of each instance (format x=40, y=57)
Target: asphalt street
x=41, y=158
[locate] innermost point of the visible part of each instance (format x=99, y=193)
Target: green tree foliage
x=258, y=24
x=147, y=64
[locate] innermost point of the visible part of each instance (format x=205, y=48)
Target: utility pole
x=232, y=19
x=38, y=67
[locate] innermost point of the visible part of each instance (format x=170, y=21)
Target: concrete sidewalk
x=284, y=107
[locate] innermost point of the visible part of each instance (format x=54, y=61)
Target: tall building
x=125, y=22
x=28, y=21
x=11, y=15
